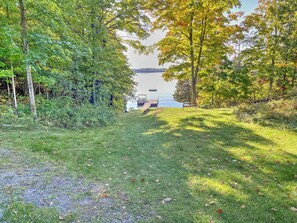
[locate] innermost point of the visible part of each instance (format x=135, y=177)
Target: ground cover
x=277, y=113
x=173, y=165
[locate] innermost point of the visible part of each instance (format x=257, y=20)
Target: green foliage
x=196, y=38
x=65, y=112
x=229, y=63
x=6, y=73
x=270, y=55
x=72, y=45
x=281, y=113
x=9, y=117
x=182, y=92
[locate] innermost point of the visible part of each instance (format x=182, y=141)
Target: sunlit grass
x=205, y=160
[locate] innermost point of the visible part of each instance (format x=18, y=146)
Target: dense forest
x=68, y=57
x=63, y=62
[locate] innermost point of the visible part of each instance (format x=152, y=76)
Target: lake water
x=165, y=90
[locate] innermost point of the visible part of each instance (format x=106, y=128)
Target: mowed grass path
x=215, y=168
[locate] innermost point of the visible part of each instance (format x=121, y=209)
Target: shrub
x=10, y=117
x=60, y=112
x=281, y=113
x=64, y=112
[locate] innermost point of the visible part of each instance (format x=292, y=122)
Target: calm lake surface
x=164, y=89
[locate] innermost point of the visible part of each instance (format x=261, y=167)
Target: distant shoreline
x=149, y=70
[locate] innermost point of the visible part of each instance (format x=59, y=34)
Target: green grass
x=205, y=160
x=20, y=212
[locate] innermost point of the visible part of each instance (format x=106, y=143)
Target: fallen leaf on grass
x=166, y=200
x=293, y=209
x=220, y=211
x=104, y=195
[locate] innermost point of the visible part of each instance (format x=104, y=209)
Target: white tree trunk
x=28, y=65
x=15, y=103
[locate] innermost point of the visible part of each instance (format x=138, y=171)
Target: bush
x=60, y=112
x=64, y=112
x=10, y=117
x=281, y=113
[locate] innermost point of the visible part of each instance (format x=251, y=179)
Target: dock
x=151, y=103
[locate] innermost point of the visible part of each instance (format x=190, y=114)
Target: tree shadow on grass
x=204, y=162
x=223, y=166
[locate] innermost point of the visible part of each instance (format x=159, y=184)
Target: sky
x=151, y=60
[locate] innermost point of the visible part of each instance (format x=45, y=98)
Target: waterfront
x=164, y=90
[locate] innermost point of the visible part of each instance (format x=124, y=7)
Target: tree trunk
x=192, y=58
x=271, y=79
x=201, y=44
x=8, y=88
x=212, y=99
x=15, y=104
x=284, y=85
x=270, y=87
x=7, y=10
x=94, y=92
x=28, y=63
x=294, y=74
x=254, y=96
x=194, y=91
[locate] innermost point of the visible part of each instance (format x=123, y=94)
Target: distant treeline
x=149, y=70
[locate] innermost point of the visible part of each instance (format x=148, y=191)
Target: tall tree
x=74, y=44
x=271, y=44
x=196, y=35
x=27, y=59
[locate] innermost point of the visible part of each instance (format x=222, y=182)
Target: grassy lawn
x=214, y=168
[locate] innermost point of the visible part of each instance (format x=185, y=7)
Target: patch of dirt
x=47, y=185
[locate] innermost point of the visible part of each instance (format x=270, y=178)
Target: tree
x=197, y=32
x=75, y=44
x=10, y=52
x=27, y=59
x=182, y=91
x=271, y=43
